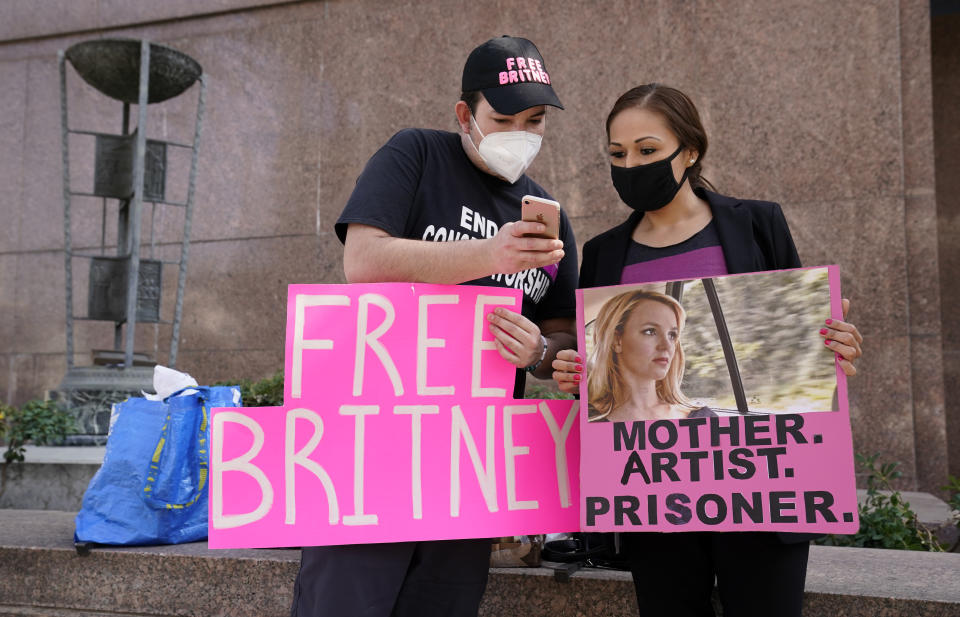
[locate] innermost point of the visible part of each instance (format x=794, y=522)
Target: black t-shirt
x=422, y=186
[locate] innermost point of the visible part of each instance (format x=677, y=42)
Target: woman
x=681, y=230
x=637, y=362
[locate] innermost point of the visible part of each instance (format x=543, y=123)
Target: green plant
x=886, y=520
x=42, y=422
x=267, y=392
x=953, y=488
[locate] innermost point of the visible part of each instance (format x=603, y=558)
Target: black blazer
x=753, y=235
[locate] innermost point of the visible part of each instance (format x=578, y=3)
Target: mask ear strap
x=676, y=152
x=474, y=120
x=686, y=170
x=470, y=137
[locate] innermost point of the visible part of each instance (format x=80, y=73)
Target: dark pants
x=399, y=579
x=756, y=573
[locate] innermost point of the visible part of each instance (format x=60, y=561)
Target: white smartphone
x=541, y=210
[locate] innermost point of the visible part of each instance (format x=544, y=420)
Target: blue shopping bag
x=152, y=487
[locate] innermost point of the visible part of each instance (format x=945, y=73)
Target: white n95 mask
x=507, y=153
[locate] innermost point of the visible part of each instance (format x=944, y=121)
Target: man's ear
x=463, y=116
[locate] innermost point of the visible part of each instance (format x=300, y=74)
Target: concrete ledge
x=43, y=575
x=41, y=570
x=51, y=478
x=65, y=455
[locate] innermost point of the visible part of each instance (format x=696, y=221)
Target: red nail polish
x=576, y=377
x=577, y=359
x=827, y=342
x=579, y=369
x=823, y=330
x=829, y=321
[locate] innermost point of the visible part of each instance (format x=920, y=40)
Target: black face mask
x=647, y=187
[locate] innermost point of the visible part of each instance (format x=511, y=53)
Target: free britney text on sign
x=765, y=444
x=396, y=426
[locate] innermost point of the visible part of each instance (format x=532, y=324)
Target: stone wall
x=946, y=121
x=823, y=106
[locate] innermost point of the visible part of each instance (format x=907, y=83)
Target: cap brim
x=512, y=99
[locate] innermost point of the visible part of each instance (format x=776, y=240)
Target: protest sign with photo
x=396, y=425
x=711, y=404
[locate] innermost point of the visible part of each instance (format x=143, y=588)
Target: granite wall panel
x=882, y=416
x=41, y=225
x=951, y=378
x=31, y=375
x=946, y=120
x=8, y=298
x=841, y=232
x=6, y=372
x=12, y=136
x=922, y=264
x=22, y=19
x=257, y=159
x=230, y=365
x=793, y=116
x=39, y=315
x=238, y=296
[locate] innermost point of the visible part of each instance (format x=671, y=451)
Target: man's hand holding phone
x=527, y=244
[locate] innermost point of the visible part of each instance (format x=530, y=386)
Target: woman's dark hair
x=681, y=115
x=471, y=98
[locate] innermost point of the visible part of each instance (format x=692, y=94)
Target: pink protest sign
x=347, y=342
x=396, y=425
x=712, y=404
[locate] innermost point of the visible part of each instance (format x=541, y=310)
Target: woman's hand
x=568, y=371
x=516, y=337
x=844, y=339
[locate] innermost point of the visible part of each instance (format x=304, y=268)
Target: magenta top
x=699, y=256
x=701, y=263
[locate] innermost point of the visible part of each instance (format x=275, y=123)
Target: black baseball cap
x=511, y=74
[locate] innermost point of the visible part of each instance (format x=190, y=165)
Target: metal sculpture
x=130, y=168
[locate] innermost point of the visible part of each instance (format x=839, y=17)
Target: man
x=440, y=207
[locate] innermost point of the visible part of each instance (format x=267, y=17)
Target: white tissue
x=166, y=381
